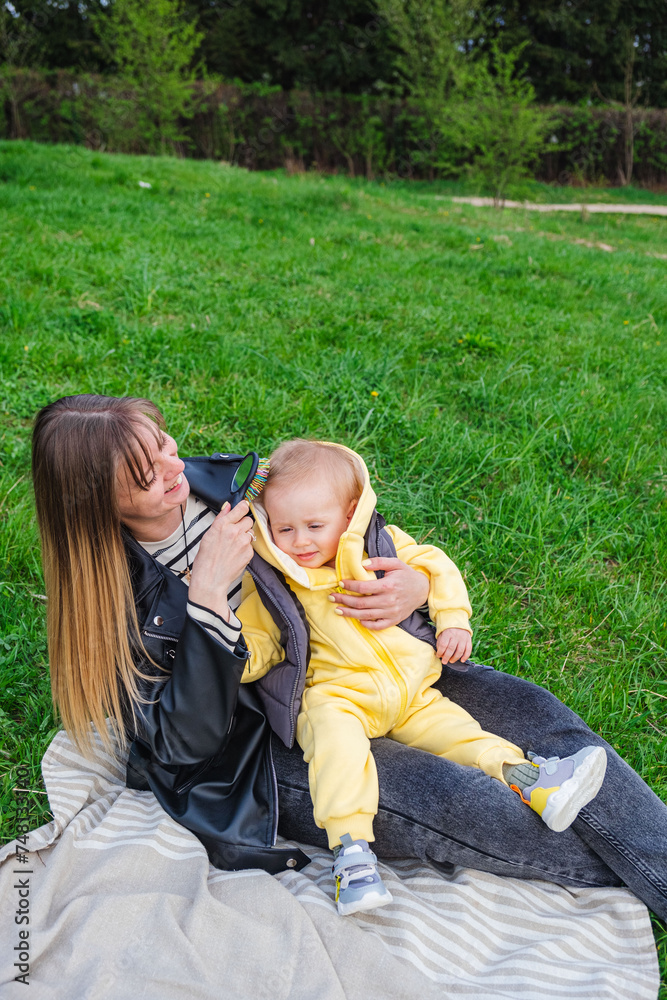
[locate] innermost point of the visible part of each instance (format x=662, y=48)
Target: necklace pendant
x=186, y=573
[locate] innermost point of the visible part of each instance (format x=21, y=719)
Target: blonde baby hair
x=299, y=461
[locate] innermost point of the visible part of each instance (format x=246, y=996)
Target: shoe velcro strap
x=345, y=861
x=345, y=877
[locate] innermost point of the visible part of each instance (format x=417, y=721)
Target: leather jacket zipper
x=191, y=780
x=274, y=832
x=207, y=763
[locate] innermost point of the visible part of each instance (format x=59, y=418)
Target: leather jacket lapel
x=158, y=593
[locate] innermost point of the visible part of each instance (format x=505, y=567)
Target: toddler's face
x=307, y=522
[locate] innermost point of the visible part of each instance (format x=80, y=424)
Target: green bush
x=152, y=45
x=262, y=127
x=494, y=119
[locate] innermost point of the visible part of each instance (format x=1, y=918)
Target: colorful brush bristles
x=258, y=481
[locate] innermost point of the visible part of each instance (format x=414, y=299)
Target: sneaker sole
x=563, y=806
x=371, y=901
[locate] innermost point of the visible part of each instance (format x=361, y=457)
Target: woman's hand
x=387, y=601
x=224, y=552
x=454, y=644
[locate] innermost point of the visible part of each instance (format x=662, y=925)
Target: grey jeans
x=449, y=814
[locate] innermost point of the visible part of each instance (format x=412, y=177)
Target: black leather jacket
x=201, y=743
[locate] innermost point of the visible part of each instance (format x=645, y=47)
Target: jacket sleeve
x=448, y=602
x=189, y=717
x=261, y=634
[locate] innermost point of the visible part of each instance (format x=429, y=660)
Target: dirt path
x=592, y=208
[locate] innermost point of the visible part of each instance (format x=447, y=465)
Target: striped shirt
x=179, y=550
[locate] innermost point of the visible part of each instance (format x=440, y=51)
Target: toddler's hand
x=454, y=644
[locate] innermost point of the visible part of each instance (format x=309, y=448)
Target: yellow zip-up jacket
x=390, y=665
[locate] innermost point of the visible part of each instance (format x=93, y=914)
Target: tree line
x=430, y=87
x=572, y=51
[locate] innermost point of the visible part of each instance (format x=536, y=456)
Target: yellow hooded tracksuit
x=361, y=683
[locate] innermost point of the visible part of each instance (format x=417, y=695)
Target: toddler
x=311, y=520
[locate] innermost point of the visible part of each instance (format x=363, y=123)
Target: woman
x=123, y=534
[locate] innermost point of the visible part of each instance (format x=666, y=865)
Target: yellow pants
x=334, y=733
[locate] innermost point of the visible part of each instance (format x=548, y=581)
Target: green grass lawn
x=503, y=375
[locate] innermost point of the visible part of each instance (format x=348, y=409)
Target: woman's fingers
x=376, y=586
x=362, y=613
x=234, y=514
x=385, y=602
x=232, y=524
x=378, y=623
x=358, y=587
x=371, y=609
x=374, y=595
x=355, y=602
x=388, y=600
x=385, y=563
x=224, y=552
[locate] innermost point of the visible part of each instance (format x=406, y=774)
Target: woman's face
x=154, y=513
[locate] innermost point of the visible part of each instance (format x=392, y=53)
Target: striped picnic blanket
x=124, y=904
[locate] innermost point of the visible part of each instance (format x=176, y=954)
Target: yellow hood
x=350, y=547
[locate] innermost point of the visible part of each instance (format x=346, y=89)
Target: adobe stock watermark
x=24, y=822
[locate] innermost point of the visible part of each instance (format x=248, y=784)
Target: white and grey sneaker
x=358, y=883
x=565, y=785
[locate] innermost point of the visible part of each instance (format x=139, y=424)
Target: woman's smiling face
x=154, y=513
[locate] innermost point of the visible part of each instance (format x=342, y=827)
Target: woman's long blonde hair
x=79, y=445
